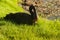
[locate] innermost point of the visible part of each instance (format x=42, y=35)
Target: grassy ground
x=43, y=30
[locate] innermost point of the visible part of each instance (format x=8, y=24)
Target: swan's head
x=32, y=11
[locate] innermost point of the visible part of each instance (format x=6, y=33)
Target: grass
x=7, y=6
x=43, y=30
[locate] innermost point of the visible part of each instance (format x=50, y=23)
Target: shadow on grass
x=2, y=22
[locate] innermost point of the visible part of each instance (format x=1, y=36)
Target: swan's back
x=19, y=18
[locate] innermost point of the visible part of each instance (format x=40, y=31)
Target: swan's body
x=23, y=18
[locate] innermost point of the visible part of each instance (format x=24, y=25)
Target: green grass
x=7, y=6
x=43, y=30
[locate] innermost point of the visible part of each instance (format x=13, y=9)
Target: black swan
x=23, y=18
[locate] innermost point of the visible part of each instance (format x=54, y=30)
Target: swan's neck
x=33, y=12
x=34, y=15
